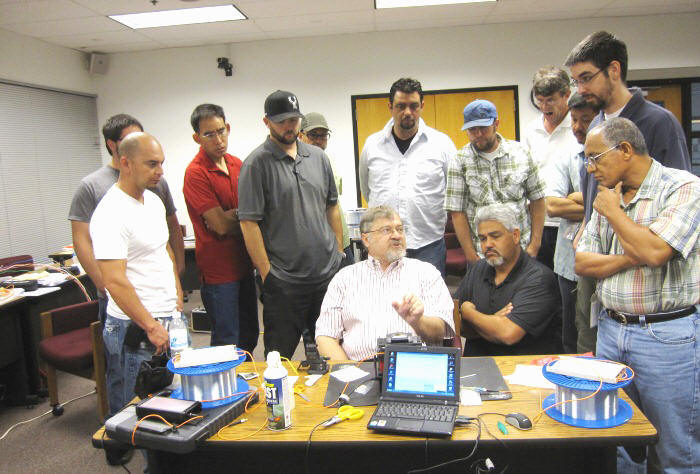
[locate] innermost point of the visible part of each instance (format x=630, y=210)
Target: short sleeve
x=332, y=197
x=83, y=204
x=251, y=192
x=330, y=320
x=678, y=223
x=163, y=191
x=198, y=191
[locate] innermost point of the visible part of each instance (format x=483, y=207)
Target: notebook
x=420, y=391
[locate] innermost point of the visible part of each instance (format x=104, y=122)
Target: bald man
x=130, y=239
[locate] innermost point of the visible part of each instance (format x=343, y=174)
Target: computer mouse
x=519, y=420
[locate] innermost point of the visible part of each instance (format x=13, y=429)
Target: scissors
x=346, y=412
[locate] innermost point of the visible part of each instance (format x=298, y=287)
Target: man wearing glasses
x=315, y=131
x=404, y=166
x=643, y=245
x=598, y=67
x=384, y=294
x=549, y=139
x=211, y=194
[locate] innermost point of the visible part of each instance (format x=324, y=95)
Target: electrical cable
x=452, y=461
x=44, y=414
x=308, y=445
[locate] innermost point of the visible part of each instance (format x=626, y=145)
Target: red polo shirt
x=206, y=187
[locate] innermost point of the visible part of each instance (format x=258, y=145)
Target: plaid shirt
x=511, y=178
x=668, y=203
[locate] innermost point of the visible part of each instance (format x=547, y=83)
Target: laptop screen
x=421, y=373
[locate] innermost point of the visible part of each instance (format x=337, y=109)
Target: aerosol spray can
x=277, y=393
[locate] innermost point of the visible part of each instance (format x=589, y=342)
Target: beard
x=408, y=123
x=488, y=145
x=495, y=261
x=392, y=255
x=288, y=138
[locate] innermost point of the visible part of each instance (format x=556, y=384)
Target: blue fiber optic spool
x=603, y=410
x=217, y=383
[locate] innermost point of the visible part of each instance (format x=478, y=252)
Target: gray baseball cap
x=314, y=120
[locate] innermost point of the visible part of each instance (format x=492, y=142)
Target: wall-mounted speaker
x=99, y=63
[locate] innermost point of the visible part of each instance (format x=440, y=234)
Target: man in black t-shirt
x=509, y=301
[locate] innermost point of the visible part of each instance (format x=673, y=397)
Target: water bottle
x=278, y=395
x=179, y=334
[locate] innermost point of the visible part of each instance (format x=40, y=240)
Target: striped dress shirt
x=357, y=306
x=668, y=203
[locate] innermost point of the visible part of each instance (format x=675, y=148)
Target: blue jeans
x=123, y=363
x=233, y=311
x=102, y=301
x=434, y=253
x=665, y=357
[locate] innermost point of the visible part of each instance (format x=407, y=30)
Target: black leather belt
x=625, y=318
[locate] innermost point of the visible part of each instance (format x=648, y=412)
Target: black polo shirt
x=288, y=198
x=532, y=288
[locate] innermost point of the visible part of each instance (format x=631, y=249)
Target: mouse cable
x=308, y=445
x=452, y=461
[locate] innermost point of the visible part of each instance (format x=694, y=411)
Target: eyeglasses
x=586, y=79
x=547, y=101
x=593, y=160
x=319, y=136
x=387, y=230
x=221, y=133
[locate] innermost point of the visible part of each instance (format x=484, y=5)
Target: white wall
x=31, y=61
x=162, y=87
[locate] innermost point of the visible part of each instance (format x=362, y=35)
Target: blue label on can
x=278, y=414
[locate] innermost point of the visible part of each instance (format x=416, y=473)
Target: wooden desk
x=349, y=447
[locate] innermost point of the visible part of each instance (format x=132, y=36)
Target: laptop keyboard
x=417, y=411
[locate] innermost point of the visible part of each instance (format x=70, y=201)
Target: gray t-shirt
x=94, y=186
x=288, y=198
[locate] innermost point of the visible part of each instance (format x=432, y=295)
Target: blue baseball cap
x=479, y=113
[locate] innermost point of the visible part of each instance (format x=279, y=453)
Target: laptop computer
x=420, y=391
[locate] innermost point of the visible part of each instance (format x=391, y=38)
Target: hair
x=204, y=111
x=619, y=129
x=548, y=80
x=407, y=86
x=600, y=48
x=497, y=212
x=374, y=213
x=578, y=102
x=112, y=129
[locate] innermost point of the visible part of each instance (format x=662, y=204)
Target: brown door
x=668, y=97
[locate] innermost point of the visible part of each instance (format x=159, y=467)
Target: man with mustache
x=549, y=139
x=509, y=301
x=643, y=245
x=288, y=208
x=490, y=170
x=404, y=166
x=384, y=294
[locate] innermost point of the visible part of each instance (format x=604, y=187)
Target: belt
x=625, y=318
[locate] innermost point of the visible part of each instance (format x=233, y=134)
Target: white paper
x=206, y=355
x=469, y=398
x=53, y=279
x=312, y=379
x=529, y=376
x=349, y=373
x=586, y=368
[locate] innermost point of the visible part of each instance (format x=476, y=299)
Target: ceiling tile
x=436, y=23
x=656, y=9
x=544, y=6
x=280, y=8
x=316, y=21
x=74, y=26
x=94, y=40
x=224, y=30
x=537, y=16
x=44, y=10
x=124, y=47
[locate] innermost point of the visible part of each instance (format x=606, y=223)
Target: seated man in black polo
x=509, y=301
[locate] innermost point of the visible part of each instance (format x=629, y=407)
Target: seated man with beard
x=509, y=301
x=384, y=294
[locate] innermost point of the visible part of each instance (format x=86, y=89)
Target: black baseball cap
x=281, y=105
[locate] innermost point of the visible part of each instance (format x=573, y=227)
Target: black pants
x=549, y=242
x=567, y=288
x=288, y=309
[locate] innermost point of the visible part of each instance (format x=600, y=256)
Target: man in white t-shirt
x=130, y=239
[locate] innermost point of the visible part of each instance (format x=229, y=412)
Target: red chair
x=455, y=260
x=72, y=342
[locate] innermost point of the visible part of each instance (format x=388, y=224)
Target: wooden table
x=350, y=447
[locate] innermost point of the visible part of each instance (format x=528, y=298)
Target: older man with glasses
x=384, y=294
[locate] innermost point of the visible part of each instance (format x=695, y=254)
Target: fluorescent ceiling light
x=420, y=3
x=186, y=16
